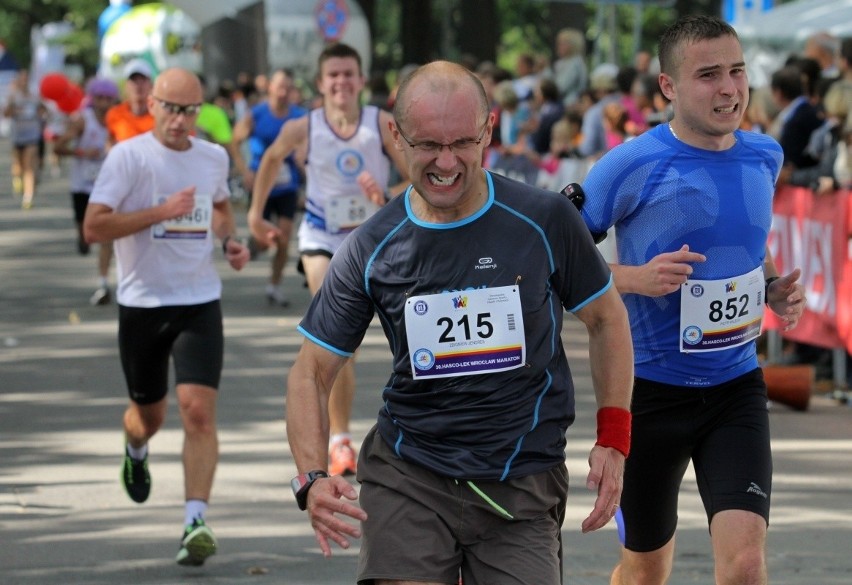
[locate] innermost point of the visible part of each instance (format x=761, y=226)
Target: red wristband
x=614, y=428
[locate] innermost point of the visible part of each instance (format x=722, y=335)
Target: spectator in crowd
x=828, y=142
x=649, y=100
x=489, y=74
x=515, y=118
x=642, y=62
x=626, y=80
x=604, y=84
x=824, y=48
x=562, y=165
x=547, y=110
x=615, y=121
x=525, y=78
x=569, y=68
x=797, y=117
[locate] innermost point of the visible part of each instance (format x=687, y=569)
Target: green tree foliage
x=18, y=17
x=530, y=26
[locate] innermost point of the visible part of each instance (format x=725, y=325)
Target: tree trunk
x=479, y=29
x=416, y=31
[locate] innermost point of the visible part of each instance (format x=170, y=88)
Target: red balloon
x=71, y=100
x=53, y=86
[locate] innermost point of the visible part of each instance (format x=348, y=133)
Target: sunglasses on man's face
x=177, y=109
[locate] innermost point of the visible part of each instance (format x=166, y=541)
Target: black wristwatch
x=302, y=483
x=768, y=281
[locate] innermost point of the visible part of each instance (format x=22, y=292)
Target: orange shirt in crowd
x=122, y=123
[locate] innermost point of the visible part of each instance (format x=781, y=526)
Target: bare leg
x=197, y=406
x=647, y=568
x=29, y=160
x=17, y=173
x=739, y=548
x=142, y=421
x=279, y=260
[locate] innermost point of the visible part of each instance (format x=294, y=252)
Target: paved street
x=64, y=518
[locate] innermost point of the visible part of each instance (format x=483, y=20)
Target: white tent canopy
x=788, y=25
x=769, y=38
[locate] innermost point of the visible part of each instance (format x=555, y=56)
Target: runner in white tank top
x=335, y=202
x=347, y=175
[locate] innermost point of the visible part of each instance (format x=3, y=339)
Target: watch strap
x=303, y=482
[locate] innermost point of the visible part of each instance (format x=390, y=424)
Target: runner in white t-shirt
x=163, y=198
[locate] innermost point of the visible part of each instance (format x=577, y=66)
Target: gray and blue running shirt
x=488, y=426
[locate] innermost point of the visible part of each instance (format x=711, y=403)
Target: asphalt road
x=64, y=518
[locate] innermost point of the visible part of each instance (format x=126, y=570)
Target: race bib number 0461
x=464, y=333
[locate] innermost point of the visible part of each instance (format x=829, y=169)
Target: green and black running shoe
x=196, y=545
x=135, y=478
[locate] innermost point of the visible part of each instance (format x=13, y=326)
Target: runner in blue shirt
x=691, y=202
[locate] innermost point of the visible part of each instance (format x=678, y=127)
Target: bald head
x=175, y=103
x=438, y=78
x=179, y=85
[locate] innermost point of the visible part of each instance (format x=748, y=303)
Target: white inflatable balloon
x=160, y=33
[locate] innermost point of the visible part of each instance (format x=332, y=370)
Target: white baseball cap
x=138, y=66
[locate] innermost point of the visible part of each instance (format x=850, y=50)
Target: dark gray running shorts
x=425, y=527
x=723, y=430
x=281, y=205
x=191, y=334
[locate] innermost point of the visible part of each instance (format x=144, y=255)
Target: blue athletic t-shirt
x=489, y=425
x=266, y=128
x=660, y=194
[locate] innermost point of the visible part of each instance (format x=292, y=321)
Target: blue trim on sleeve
x=323, y=344
x=593, y=297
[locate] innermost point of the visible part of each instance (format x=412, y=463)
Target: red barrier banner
x=812, y=232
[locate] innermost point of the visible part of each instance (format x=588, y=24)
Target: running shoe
x=342, y=459
x=196, y=544
x=135, y=478
x=275, y=296
x=82, y=247
x=101, y=296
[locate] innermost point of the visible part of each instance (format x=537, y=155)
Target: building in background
x=257, y=36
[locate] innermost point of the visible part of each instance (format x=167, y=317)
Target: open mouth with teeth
x=442, y=181
x=728, y=110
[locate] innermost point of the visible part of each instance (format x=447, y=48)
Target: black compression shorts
x=191, y=334
x=723, y=430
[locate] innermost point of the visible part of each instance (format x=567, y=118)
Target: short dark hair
x=687, y=30
x=846, y=49
x=549, y=90
x=788, y=82
x=340, y=50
